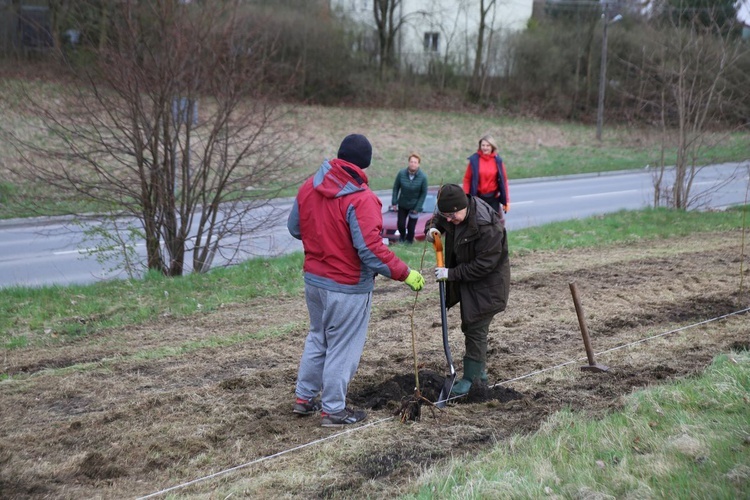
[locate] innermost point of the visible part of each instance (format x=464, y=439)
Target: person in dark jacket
x=477, y=271
x=339, y=220
x=409, y=193
x=485, y=176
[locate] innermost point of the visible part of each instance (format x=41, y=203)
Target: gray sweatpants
x=334, y=345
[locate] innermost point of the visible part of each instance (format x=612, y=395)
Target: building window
x=431, y=42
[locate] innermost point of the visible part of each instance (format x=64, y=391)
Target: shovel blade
x=445, y=392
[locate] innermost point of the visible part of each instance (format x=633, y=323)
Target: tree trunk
x=475, y=88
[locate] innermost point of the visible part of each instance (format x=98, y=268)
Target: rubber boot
x=483, y=373
x=472, y=370
x=460, y=387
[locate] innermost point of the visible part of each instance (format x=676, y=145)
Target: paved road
x=546, y=200
x=53, y=252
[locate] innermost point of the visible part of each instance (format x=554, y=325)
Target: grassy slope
x=530, y=148
x=687, y=439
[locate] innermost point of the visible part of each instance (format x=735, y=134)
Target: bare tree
x=687, y=72
x=485, y=6
x=449, y=30
x=388, y=22
x=586, y=16
x=175, y=126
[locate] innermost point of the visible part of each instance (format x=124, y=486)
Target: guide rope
x=382, y=420
x=262, y=459
x=616, y=348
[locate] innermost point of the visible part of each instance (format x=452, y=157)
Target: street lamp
x=603, y=70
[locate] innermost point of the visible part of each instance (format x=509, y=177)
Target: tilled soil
x=207, y=399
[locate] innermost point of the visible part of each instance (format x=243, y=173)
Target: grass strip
x=31, y=316
x=625, y=226
x=53, y=313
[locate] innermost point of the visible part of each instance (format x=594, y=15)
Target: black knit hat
x=451, y=198
x=356, y=149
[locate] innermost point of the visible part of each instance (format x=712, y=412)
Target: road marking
x=516, y=203
x=81, y=251
x=604, y=194
x=86, y=251
x=703, y=183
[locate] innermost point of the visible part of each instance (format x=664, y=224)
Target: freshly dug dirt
x=138, y=410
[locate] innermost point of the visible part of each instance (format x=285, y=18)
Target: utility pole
x=603, y=68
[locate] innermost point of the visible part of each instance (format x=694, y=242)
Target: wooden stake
x=592, y=366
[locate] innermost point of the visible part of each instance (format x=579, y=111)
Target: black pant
x=405, y=230
x=492, y=201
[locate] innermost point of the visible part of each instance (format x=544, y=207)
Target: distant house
x=24, y=26
x=743, y=15
x=444, y=31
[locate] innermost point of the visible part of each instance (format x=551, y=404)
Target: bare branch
x=176, y=124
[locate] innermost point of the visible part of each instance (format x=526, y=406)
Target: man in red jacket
x=339, y=220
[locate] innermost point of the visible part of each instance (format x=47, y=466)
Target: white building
x=444, y=31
